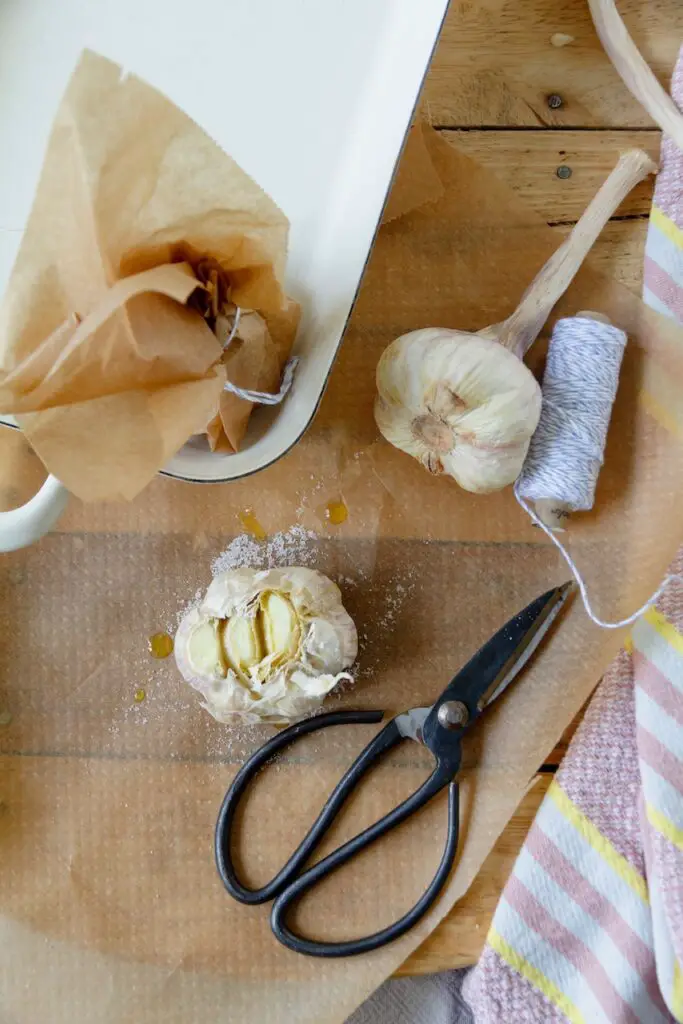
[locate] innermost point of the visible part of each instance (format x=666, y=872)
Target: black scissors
x=439, y=727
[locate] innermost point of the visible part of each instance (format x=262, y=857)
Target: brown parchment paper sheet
x=110, y=907
x=107, y=393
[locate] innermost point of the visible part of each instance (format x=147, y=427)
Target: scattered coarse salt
x=296, y=546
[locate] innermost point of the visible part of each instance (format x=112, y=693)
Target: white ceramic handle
x=22, y=526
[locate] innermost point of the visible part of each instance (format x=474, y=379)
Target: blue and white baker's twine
x=566, y=452
x=260, y=397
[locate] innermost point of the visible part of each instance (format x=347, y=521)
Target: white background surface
x=311, y=97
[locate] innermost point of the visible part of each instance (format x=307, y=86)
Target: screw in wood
x=563, y=171
x=554, y=101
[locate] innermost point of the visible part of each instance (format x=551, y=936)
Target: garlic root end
x=433, y=432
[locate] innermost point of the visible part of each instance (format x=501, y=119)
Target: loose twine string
x=260, y=397
x=566, y=451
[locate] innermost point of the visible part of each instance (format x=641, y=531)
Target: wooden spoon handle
x=635, y=73
x=523, y=327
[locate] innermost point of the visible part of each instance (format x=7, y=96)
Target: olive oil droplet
x=336, y=513
x=5, y=718
x=160, y=645
x=251, y=524
x=139, y=696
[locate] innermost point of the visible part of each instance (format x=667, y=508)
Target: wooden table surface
x=502, y=91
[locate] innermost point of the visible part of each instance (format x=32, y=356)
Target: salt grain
x=296, y=546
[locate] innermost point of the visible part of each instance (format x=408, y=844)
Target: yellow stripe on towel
x=665, y=826
x=666, y=226
x=677, y=993
x=536, y=977
x=619, y=865
x=666, y=629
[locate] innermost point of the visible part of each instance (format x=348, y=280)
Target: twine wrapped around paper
x=106, y=369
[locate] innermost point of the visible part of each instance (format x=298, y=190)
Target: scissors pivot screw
x=453, y=714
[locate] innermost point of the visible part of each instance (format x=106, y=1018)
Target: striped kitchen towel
x=590, y=924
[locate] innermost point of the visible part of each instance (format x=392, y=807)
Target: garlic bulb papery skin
x=461, y=404
x=465, y=404
x=266, y=645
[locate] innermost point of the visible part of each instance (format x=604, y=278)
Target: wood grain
x=528, y=161
x=635, y=72
x=456, y=944
x=496, y=66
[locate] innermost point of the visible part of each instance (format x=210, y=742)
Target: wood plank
x=496, y=66
x=619, y=251
x=459, y=939
x=528, y=162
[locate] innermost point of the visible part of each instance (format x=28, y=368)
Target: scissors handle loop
x=288, y=885
x=315, y=874
x=226, y=817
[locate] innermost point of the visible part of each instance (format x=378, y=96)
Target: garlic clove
x=242, y=642
x=281, y=630
x=484, y=471
x=328, y=647
x=204, y=649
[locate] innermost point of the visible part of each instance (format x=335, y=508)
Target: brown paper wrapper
x=107, y=371
x=110, y=906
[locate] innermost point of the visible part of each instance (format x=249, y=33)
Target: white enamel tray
x=326, y=91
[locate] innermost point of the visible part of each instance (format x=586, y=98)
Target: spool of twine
x=561, y=469
x=580, y=383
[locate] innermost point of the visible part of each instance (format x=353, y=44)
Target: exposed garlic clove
x=205, y=650
x=281, y=630
x=242, y=642
x=286, y=641
x=460, y=404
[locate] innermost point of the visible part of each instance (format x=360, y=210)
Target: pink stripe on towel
x=579, y=889
x=571, y=948
x=660, y=759
x=655, y=684
x=664, y=287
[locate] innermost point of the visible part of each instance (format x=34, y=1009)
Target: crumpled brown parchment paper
x=110, y=907
x=106, y=369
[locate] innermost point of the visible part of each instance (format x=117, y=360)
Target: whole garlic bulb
x=460, y=405
x=266, y=645
x=465, y=404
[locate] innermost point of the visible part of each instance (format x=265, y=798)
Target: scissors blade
x=501, y=659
